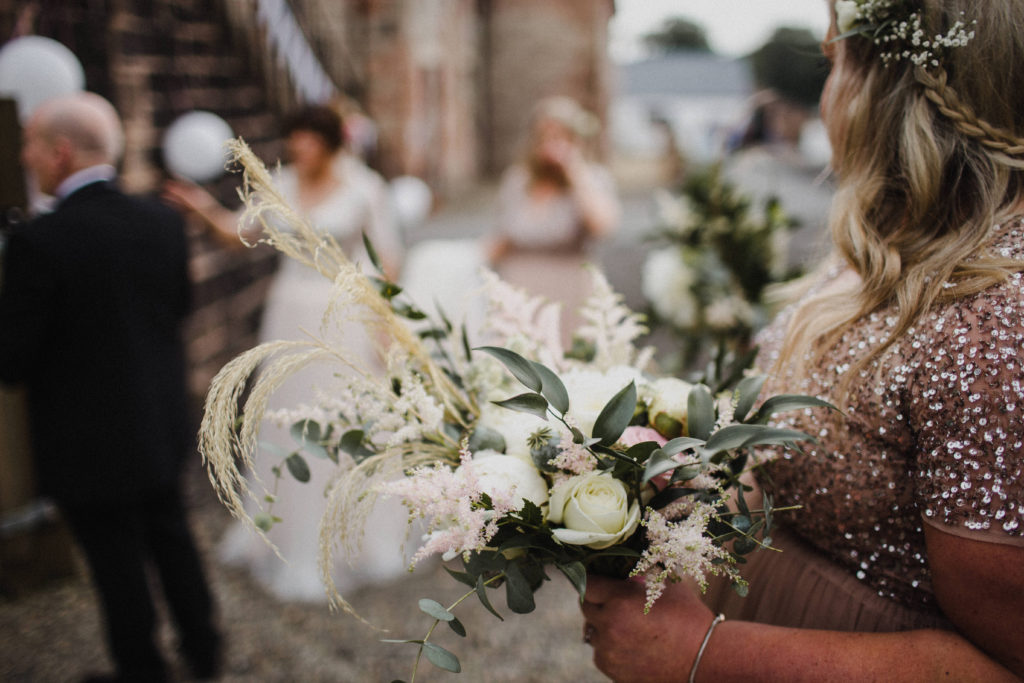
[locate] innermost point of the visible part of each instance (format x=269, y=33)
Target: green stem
x=430, y=631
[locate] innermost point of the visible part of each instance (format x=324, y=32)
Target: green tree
x=677, y=35
x=791, y=64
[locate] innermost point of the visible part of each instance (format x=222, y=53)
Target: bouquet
x=708, y=283
x=519, y=458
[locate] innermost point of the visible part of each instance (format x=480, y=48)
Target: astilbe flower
x=451, y=501
x=679, y=548
x=517, y=318
x=574, y=459
x=612, y=327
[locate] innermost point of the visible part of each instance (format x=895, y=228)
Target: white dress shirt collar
x=87, y=176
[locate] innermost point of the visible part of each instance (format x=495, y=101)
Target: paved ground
x=52, y=634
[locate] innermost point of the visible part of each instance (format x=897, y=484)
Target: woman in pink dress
x=906, y=560
x=552, y=207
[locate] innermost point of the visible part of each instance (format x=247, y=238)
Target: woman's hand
x=646, y=648
x=191, y=198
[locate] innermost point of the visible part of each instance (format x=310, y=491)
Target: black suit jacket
x=90, y=319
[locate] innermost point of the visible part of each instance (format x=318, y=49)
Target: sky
x=734, y=27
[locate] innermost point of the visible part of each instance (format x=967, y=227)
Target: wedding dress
x=295, y=305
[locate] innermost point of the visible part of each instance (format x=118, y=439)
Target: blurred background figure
x=782, y=151
x=552, y=206
x=340, y=196
x=94, y=297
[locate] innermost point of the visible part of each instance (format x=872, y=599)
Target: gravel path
x=53, y=634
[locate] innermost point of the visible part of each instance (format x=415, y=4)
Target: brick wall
x=450, y=84
x=157, y=59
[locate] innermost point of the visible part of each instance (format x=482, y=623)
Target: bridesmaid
x=906, y=561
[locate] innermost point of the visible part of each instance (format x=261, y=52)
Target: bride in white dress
x=342, y=197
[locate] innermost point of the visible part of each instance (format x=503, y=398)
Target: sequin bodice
x=936, y=433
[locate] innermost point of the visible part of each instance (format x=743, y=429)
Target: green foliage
x=791, y=64
x=726, y=252
x=677, y=34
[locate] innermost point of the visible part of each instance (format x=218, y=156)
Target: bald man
x=91, y=308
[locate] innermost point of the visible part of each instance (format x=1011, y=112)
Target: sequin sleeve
x=967, y=407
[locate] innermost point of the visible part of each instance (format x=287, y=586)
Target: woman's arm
x=662, y=645
x=595, y=197
x=193, y=199
x=980, y=588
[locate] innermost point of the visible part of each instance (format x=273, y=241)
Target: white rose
x=847, y=14
x=590, y=390
x=499, y=474
x=594, y=510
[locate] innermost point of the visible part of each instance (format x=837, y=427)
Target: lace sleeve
x=967, y=409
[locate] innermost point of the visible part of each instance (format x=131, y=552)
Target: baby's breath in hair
x=899, y=34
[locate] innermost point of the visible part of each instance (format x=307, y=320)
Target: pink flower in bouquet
x=636, y=434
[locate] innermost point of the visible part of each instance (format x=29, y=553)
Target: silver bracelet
x=700, y=653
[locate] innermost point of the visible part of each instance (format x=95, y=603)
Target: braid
x=963, y=116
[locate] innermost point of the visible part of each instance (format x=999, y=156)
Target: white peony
x=499, y=474
x=847, y=14
x=594, y=510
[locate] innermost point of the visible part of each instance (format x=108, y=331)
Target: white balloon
x=193, y=146
x=34, y=69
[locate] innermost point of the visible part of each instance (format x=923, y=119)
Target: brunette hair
x=322, y=121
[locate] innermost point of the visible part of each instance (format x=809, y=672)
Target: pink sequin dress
x=934, y=434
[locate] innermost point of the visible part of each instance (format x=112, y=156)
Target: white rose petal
x=595, y=510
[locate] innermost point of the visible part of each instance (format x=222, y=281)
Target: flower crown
x=893, y=27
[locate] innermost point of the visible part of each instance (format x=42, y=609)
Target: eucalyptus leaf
x=784, y=402
x=441, y=658
x=733, y=436
x=700, y=412
x=773, y=436
x=435, y=609
x=458, y=627
x=746, y=394
x=352, y=443
x=481, y=594
x=484, y=438
x=298, y=467
x=521, y=368
x=518, y=593
x=534, y=404
x=263, y=521
x=659, y=463
x=306, y=430
x=744, y=546
x=615, y=416
x=462, y=577
x=577, y=575
x=683, y=443
x=371, y=252
x=553, y=388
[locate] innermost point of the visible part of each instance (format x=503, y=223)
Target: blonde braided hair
x=962, y=115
